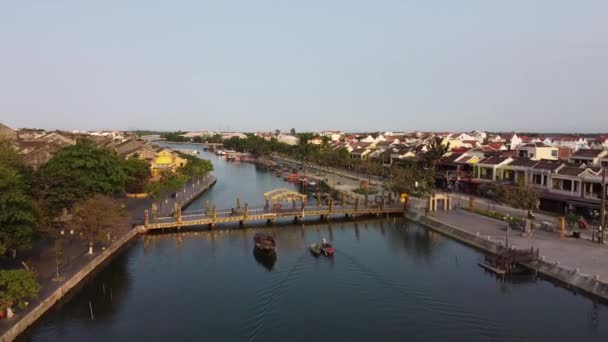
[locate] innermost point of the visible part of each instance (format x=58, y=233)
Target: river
x=390, y=280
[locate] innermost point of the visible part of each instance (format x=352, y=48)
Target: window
x=566, y=185
x=553, y=153
x=575, y=186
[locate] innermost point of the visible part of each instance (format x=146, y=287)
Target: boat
x=291, y=177
x=315, y=249
x=267, y=261
x=327, y=249
x=265, y=244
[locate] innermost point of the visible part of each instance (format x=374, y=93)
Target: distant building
x=589, y=157
x=166, y=159
x=226, y=136
x=537, y=151
x=288, y=139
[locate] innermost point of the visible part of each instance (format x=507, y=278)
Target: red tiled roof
x=587, y=153
x=495, y=145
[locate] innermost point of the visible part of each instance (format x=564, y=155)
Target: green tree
x=78, y=172
x=169, y=181
x=98, y=219
x=137, y=174
x=435, y=150
x=522, y=197
x=492, y=191
x=410, y=179
x=175, y=137
x=16, y=288
x=195, y=167
x=17, y=213
x=293, y=131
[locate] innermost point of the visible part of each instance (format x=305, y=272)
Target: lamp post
x=603, y=208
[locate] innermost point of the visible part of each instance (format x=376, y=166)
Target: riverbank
x=549, y=266
x=55, y=291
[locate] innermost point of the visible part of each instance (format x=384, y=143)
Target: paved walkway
x=75, y=251
x=589, y=257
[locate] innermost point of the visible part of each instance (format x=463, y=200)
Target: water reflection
x=267, y=261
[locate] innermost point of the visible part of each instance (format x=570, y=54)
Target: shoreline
x=569, y=279
x=23, y=322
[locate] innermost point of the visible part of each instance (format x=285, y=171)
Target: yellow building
x=166, y=159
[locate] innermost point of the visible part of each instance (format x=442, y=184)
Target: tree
x=522, y=197
x=293, y=131
x=17, y=213
x=195, y=167
x=16, y=287
x=98, y=219
x=175, y=137
x=78, y=172
x=137, y=174
x=409, y=179
x=169, y=181
x=492, y=191
x=435, y=150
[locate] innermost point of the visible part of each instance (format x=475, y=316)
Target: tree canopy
x=195, y=167
x=17, y=214
x=435, y=150
x=77, y=172
x=98, y=218
x=409, y=178
x=16, y=287
x=137, y=173
x=522, y=196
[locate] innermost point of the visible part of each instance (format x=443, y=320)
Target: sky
x=353, y=65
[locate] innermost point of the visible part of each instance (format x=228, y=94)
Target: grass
x=494, y=215
x=370, y=191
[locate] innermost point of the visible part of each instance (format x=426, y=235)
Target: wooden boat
x=265, y=260
x=291, y=177
x=327, y=249
x=265, y=244
x=315, y=249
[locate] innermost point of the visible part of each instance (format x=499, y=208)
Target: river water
x=390, y=280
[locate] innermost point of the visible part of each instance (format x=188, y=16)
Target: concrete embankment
x=99, y=260
x=571, y=279
x=206, y=186
x=74, y=282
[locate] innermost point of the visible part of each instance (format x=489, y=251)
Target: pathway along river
x=390, y=280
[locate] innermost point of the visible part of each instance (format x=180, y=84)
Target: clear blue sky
x=537, y=65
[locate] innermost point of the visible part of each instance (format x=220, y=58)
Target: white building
x=288, y=139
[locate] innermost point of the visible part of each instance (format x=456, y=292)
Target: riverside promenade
x=79, y=264
x=577, y=263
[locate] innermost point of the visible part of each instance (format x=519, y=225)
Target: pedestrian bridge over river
x=273, y=210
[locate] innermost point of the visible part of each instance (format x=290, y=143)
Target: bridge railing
x=201, y=214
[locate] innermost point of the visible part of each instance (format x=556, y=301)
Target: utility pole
x=603, y=208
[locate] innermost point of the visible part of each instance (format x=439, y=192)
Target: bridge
x=269, y=213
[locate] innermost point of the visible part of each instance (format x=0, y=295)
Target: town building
x=537, y=151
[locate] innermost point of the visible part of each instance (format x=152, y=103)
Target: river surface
x=390, y=280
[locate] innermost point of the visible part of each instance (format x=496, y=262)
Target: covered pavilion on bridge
x=277, y=196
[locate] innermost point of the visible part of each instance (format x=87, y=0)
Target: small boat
x=267, y=261
x=327, y=248
x=265, y=244
x=315, y=249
